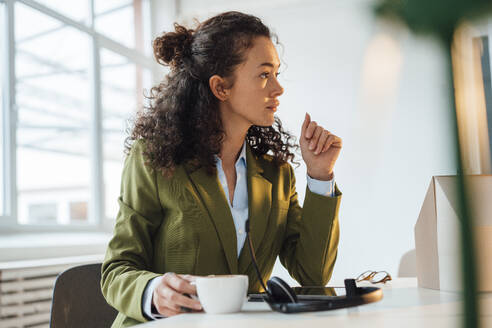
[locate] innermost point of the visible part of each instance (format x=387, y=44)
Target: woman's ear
x=218, y=86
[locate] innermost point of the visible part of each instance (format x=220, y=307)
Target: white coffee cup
x=222, y=293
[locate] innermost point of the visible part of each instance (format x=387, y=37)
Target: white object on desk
x=437, y=237
x=222, y=293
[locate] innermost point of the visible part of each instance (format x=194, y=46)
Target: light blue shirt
x=239, y=210
x=239, y=207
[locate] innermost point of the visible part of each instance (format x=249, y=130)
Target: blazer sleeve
x=125, y=269
x=309, y=249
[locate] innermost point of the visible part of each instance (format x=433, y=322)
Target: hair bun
x=171, y=47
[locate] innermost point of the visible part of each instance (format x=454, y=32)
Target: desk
x=403, y=305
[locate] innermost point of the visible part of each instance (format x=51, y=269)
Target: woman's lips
x=273, y=106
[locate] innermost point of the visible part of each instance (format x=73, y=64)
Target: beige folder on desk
x=437, y=233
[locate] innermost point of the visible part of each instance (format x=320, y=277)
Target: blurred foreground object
x=473, y=94
x=440, y=18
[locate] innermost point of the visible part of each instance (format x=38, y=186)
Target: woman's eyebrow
x=268, y=64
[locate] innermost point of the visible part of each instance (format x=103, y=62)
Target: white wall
x=379, y=88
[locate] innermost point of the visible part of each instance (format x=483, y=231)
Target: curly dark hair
x=182, y=123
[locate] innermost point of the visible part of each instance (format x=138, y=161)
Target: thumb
x=188, y=277
x=305, y=124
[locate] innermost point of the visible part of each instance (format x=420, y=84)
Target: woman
x=197, y=169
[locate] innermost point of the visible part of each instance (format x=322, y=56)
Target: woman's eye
x=265, y=74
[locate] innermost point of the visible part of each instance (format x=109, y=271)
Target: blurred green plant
x=437, y=17
x=440, y=18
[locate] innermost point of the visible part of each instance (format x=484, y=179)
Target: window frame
x=475, y=149
x=9, y=222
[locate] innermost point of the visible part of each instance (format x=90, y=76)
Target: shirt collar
x=242, y=155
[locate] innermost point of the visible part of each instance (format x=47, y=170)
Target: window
x=80, y=74
x=78, y=10
x=122, y=82
x=109, y=18
x=53, y=104
x=3, y=83
x=46, y=212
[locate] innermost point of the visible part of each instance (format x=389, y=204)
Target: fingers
x=328, y=143
x=179, y=284
x=314, y=140
x=305, y=124
x=164, y=310
x=322, y=141
x=168, y=296
x=319, y=140
x=174, y=300
x=310, y=129
x=332, y=140
x=188, y=277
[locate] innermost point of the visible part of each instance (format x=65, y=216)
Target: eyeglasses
x=374, y=276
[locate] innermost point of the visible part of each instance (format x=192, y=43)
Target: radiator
x=26, y=289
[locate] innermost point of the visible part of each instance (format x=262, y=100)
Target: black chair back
x=78, y=300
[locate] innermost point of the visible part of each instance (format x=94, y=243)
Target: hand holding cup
x=169, y=296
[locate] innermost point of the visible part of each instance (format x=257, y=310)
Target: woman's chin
x=266, y=121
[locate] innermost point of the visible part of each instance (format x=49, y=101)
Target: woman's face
x=253, y=97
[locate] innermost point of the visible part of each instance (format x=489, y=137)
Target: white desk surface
x=403, y=305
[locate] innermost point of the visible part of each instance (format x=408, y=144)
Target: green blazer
x=183, y=224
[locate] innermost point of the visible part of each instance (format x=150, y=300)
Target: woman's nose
x=278, y=89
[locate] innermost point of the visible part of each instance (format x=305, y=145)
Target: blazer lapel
x=259, y=204
x=215, y=201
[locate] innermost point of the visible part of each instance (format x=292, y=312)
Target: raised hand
x=319, y=148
